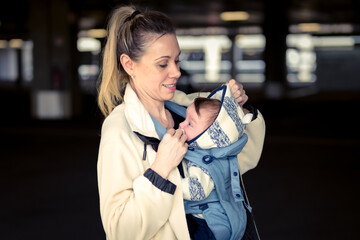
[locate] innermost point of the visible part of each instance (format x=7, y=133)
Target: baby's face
x=195, y=124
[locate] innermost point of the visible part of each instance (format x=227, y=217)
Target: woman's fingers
x=171, y=132
x=178, y=135
x=183, y=137
x=238, y=92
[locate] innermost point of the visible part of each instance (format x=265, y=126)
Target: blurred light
x=88, y=45
x=27, y=61
x=309, y=27
x=336, y=41
x=3, y=43
x=212, y=46
x=250, y=77
x=193, y=65
x=301, y=41
x=250, y=65
x=202, y=31
x=337, y=28
x=301, y=77
x=250, y=41
x=301, y=58
x=250, y=30
x=322, y=28
x=16, y=43
x=305, y=42
x=97, y=33
x=234, y=16
x=51, y=104
x=86, y=72
x=9, y=67
x=200, y=42
x=293, y=58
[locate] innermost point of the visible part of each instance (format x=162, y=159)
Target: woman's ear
x=127, y=64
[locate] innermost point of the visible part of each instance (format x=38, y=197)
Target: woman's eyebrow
x=167, y=57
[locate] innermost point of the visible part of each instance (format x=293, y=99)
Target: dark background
x=306, y=184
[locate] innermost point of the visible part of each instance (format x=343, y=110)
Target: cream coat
x=131, y=206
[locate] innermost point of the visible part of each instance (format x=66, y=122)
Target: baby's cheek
x=188, y=136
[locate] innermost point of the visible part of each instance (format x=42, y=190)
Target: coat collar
x=137, y=116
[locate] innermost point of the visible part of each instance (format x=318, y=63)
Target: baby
x=205, y=129
x=199, y=116
x=197, y=183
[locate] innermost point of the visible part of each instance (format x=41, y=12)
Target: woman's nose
x=175, y=72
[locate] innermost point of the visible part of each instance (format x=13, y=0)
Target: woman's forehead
x=165, y=45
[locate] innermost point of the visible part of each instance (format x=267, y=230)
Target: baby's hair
x=212, y=106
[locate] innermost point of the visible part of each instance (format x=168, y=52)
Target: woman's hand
x=171, y=151
x=238, y=92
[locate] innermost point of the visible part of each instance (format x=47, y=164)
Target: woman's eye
x=163, y=65
x=177, y=61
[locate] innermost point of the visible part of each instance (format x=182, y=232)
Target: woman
x=138, y=176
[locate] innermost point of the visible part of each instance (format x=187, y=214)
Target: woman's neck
x=162, y=115
x=157, y=110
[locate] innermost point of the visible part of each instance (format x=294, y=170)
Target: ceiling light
x=3, y=43
x=309, y=27
x=234, y=16
x=16, y=43
x=97, y=33
x=88, y=45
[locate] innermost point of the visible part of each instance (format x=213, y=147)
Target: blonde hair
x=129, y=32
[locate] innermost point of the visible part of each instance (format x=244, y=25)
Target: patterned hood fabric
x=229, y=125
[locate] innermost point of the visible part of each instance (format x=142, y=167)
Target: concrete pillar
x=52, y=88
x=276, y=25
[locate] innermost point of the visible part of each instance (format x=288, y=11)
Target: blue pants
x=199, y=229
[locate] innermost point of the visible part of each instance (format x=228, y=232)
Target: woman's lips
x=170, y=86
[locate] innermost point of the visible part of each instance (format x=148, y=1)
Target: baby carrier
x=225, y=210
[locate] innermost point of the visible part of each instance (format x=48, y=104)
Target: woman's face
x=156, y=74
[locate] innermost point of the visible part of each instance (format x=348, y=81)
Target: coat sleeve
x=131, y=206
x=249, y=157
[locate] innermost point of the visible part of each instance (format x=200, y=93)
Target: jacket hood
x=228, y=126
